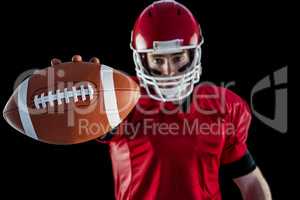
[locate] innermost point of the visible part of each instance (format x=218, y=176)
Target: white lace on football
x=64, y=95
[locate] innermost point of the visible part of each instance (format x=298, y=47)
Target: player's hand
x=75, y=58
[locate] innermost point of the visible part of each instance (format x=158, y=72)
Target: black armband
x=241, y=167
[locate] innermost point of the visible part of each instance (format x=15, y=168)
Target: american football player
x=173, y=143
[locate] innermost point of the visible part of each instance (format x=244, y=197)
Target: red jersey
x=161, y=152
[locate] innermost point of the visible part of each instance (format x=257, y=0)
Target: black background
x=243, y=41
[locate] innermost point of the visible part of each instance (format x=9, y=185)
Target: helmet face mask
x=169, y=88
x=167, y=34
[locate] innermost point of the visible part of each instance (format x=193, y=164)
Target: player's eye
x=177, y=59
x=158, y=61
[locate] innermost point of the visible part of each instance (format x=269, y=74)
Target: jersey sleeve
x=240, y=118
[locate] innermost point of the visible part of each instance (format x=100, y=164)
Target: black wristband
x=108, y=136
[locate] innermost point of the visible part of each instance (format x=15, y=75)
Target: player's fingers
x=95, y=60
x=76, y=58
x=55, y=61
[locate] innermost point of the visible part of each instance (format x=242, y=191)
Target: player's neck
x=184, y=104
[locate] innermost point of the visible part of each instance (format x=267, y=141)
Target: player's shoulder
x=218, y=98
x=207, y=90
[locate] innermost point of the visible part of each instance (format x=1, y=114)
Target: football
x=71, y=103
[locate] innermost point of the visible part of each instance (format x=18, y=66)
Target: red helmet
x=167, y=27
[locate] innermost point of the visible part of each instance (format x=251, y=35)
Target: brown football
x=71, y=103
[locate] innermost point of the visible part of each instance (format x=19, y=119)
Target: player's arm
x=237, y=160
x=108, y=136
x=253, y=186
x=246, y=174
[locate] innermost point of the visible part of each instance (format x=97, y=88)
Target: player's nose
x=168, y=70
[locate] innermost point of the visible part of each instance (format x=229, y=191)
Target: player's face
x=168, y=64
